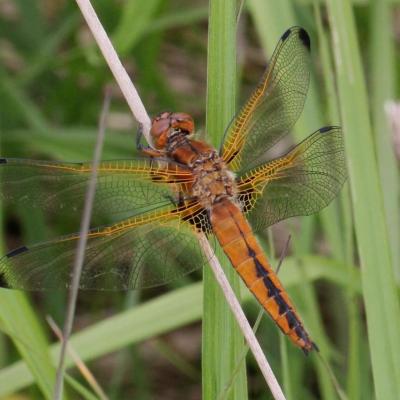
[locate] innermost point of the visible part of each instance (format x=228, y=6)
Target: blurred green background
x=148, y=344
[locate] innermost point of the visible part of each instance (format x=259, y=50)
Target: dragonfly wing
x=274, y=106
x=139, y=252
x=302, y=182
x=124, y=188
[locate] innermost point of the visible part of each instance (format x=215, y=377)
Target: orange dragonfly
x=158, y=204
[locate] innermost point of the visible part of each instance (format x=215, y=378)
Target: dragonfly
x=159, y=203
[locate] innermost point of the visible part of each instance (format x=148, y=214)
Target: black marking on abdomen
x=291, y=319
x=283, y=307
x=301, y=333
x=3, y=161
x=273, y=291
x=17, y=251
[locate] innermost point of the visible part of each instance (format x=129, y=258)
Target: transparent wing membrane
x=140, y=252
x=153, y=242
x=274, y=106
x=123, y=189
x=150, y=209
x=302, y=182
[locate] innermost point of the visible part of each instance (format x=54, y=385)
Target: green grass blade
x=342, y=240
x=85, y=394
x=175, y=19
x=222, y=340
x=382, y=64
x=135, y=18
x=22, y=106
x=182, y=307
x=47, y=51
x=18, y=320
x=271, y=20
x=380, y=296
x=158, y=316
x=286, y=378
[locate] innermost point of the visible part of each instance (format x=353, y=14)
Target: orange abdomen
x=240, y=245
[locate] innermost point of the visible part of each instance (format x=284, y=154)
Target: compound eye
x=160, y=124
x=159, y=127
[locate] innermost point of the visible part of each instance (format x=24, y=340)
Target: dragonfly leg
x=180, y=199
x=139, y=134
x=177, y=201
x=149, y=151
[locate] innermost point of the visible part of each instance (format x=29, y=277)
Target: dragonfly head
x=166, y=123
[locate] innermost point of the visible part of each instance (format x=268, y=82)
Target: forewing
x=302, y=182
x=124, y=188
x=140, y=252
x=274, y=106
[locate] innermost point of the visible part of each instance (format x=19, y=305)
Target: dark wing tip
x=17, y=251
x=305, y=38
x=302, y=34
x=3, y=161
x=327, y=129
x=286, y=34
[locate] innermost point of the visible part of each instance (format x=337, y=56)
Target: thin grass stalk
x=121, y=76
x=223, y=395
x=183, y=306
x=81, y=390
x=283, y=344
x=379, y=291
x=222, y=340
x=80, y=250
x=243, y=323
x=283, y=348
x=82, y=367
x=282, y=337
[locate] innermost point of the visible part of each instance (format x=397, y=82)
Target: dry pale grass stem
x=142, y=117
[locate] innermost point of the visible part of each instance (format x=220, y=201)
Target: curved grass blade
x=379, y=291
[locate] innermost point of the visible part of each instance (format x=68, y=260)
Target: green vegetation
x=343, y=267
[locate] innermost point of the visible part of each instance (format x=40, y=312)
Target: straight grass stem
x=121, y=76
x=242, y=321
x=80, y=252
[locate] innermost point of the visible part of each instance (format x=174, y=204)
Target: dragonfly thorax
x=213, y=181
x=176, y=139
